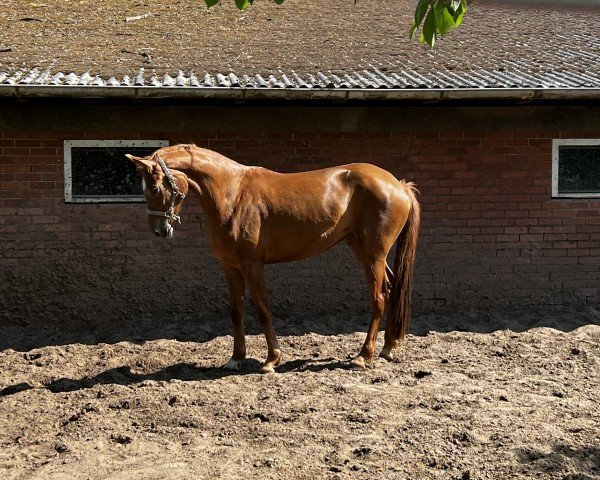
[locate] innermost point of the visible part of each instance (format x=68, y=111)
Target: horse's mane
x=195, y=152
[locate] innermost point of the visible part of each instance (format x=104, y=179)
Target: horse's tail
x=406, y=246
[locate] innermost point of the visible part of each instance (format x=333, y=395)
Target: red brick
x=92, y=136
x=27, y=177
x=14, y=186
x=16, y=151
x=589, y=260
x=45, y=168
x=28, y=143
x=17, y=168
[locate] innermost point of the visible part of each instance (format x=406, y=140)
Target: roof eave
x=290, y=94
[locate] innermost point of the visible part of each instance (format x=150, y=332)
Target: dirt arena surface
x=466, y=398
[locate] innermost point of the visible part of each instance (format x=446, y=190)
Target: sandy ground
x=511, y=398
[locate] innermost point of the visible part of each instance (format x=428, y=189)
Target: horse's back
x=345, y=194
x=351, y=175
x=330, y=191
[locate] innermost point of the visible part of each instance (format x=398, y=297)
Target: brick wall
x=491, y=234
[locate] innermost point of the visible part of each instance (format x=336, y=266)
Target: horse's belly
x=300, y=243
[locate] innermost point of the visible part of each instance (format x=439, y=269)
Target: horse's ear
x=143, y=166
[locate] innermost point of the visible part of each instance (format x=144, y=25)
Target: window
x=97, y=170
x=576, y=168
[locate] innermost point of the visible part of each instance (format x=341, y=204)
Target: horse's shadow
x=186, y=372
x=585, y=460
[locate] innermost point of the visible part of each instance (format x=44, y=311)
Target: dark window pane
x=105, y=171
x=579, y=169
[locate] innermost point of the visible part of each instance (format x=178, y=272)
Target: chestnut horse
x=255, y=216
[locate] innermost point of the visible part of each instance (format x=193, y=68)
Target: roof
x=141, y=48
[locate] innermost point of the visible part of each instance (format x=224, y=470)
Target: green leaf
x=444, y=22
x=458, y=16
x=211, y=3
x=243, y=4
x=279, y=2
x=429, y=27
x=440, y=17
x=411, y=32
x=420, y=12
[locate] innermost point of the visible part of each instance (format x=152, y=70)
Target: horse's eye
x=154, y=189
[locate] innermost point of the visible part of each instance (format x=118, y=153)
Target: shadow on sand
x=201, y=329
x=186, y=372
x=583, y=462
x=29, y=337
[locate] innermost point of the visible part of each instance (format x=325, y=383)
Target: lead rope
x=170, y=213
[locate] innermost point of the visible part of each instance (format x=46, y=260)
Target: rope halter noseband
x=170, y=212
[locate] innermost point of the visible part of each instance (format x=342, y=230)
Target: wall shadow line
x=24, y=337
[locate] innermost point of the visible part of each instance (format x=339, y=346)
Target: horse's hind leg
x=255, y=276
x=237, y=287
x=390, y=342
x=375, y=273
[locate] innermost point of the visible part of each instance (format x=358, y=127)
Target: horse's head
x=164, y=190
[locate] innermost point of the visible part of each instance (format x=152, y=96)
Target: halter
x=170, y=213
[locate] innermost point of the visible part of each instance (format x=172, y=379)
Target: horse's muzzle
x=162, y=228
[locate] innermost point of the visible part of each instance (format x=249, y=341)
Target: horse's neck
x=215, y=182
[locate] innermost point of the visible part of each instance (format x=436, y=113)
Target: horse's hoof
x=358, y=363
x=233, y=365
x=272, y=361
x=267, y=369
x=387, y=354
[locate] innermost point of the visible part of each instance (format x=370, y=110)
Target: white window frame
x=556, y=143
x=70, y=144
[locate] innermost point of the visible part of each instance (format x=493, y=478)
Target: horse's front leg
x=255, y=276
x=237, y=288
